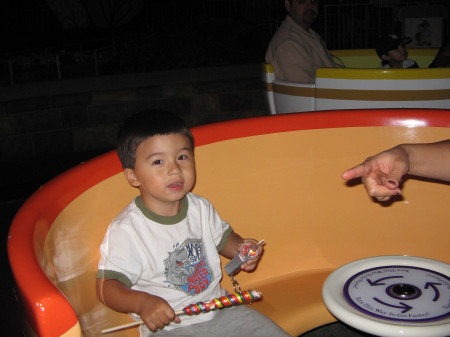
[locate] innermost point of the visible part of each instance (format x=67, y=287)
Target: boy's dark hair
x=146, y=124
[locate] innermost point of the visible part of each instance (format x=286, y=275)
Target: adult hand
x=382, y=173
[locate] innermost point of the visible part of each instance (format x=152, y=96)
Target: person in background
x=383, y=172
x=296, y=50
x=392, y=52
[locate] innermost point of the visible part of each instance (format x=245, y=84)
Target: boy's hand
x=233, y=247
x=252, y=263
x=156, y=313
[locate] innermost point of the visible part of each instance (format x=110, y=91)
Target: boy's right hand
x=156, y=313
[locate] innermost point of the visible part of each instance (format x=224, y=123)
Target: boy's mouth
x=176, y=186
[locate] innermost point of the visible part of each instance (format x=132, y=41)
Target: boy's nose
x=174, y=168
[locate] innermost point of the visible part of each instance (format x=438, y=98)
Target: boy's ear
x=131, y=177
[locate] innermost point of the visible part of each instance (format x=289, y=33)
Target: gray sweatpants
x=230, y=322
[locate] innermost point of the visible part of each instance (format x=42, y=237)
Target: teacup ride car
x=361, y=84
x=274, y=178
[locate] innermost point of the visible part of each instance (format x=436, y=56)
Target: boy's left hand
x=252, y=263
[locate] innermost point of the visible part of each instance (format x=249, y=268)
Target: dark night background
x=143, y=35
x=126, y=36
x=101, y=37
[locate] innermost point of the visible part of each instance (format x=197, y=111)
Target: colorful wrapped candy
x=229, y=300
x=237, y=298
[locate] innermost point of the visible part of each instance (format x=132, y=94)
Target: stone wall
x=48, y=127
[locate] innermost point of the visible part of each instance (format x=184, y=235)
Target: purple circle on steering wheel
x=400, y=293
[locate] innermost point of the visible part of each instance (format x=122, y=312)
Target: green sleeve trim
x=114, y=275
x=224, y=239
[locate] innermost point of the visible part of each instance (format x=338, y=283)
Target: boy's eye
x=157, y=162
x=182, y=157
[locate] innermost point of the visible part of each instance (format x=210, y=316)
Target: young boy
x=161, y=253
x=392, y=51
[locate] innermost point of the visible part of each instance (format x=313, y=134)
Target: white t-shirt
x=173, y=257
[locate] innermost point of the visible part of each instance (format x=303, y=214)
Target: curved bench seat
x=275, y=178
x=294, y=300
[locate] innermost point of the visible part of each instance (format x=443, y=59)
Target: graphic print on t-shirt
x=187, y=267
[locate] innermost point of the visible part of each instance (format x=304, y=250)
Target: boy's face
x=397, y=55
x=164, y=172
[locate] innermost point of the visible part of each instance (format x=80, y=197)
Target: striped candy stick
x=235, y=299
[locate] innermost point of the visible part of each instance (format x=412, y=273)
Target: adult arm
x=382, y=173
